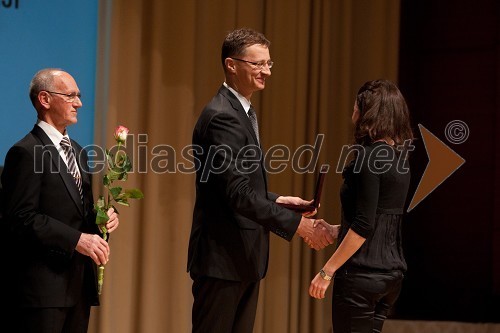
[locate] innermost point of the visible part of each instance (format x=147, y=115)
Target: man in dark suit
x=234, y=212
x=48, y=216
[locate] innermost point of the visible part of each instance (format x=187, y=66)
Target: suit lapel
x=59, y=164
x=235, y=103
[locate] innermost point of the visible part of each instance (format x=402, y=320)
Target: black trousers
x=52, y=320
x=362, y=299
x=222, y=306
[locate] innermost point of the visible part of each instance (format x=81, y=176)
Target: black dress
x=373, y=196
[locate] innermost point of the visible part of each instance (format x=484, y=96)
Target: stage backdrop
x=39, y=34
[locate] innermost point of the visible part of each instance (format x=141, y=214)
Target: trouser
x=222, y=306
x=73, y=319
x=362, y=299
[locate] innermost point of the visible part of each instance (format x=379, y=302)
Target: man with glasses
x=48, y=217
x=234, y=212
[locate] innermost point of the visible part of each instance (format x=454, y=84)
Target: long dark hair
x=383, y=113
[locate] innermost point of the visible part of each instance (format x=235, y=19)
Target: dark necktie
x=72, y=166
x=253, y=119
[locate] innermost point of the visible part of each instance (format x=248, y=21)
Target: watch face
x=324, y=275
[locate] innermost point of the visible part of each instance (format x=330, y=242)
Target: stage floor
x=409, y=326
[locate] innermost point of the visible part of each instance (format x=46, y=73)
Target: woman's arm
x=351, y=243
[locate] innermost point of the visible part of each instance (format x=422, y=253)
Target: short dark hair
x=383, y=113
x=238, y=40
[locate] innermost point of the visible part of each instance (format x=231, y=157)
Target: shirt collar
x=54, y=135
x=244, y=102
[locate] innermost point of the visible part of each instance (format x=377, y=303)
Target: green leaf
x=134, y=193
x=127, y=165
x=120, y=160
x=109, y=158
x=101, y=217
x=123, y=202
x=117, y=170
x=115, y=191
x=113, y=175
x=100, y=203
x=106, y=181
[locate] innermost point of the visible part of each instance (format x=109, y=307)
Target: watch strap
x=325, y=276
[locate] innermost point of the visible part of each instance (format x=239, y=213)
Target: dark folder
x=317, y=194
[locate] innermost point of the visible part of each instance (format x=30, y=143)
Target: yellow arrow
x=443, y=161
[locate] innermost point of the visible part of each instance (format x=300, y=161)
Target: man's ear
x=44, y=99
x=230, y=65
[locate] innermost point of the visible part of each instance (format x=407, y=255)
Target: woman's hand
x=318, y=287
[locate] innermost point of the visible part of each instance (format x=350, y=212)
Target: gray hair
x=43, y=80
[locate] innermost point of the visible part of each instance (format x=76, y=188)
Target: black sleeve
x=367, y=190
x=226, y=133
x=26, y=222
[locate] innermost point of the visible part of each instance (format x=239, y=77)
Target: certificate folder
x=317, y=194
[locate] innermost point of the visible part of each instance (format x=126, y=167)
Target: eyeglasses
x=70, y=98
x=257, y=65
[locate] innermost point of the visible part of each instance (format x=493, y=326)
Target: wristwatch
x=324, y=276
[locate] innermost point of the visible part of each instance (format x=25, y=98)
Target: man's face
x=249, y=78
x=62, y=112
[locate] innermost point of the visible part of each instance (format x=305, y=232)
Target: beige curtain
x=159, y=65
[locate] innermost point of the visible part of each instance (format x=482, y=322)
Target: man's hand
x=95, y=247
x=113, y=221
x=333, y=230
x=315, y=234
x=297, y=201
x=293, y=200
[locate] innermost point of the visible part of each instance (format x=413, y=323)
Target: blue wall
x=36, y=34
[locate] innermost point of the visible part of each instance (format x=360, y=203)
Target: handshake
x=318, y=234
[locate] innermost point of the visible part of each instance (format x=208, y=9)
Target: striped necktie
x=72, y=166
x=253, y=120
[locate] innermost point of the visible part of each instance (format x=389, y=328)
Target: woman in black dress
x=367, y=267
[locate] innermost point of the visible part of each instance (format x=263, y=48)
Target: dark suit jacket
x=44, y=217
x=234, y=212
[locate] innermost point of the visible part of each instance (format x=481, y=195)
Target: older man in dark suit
x=234, y=212
x=48, y=215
